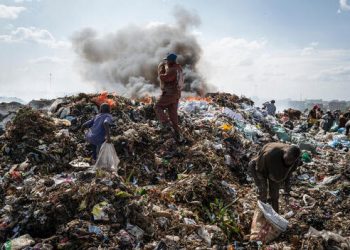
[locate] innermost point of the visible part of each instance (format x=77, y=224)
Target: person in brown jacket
x=274, y=165
x=169, y=76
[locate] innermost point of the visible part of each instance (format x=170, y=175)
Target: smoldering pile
x=127, y=60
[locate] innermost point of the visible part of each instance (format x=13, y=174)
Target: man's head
x=291, y=155
x=171, y=58
x=104, y=108
x=273, y=101
x=315, y=107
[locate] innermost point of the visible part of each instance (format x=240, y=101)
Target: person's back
x=273, y=166
x=270, y=161
x=97, y=133
x=270, y=107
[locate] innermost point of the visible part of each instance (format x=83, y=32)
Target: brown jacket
x=170, y=80
x=270, y=163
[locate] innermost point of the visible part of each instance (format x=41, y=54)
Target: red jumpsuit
x=171, y=93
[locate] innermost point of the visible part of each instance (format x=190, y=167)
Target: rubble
x=165, y=195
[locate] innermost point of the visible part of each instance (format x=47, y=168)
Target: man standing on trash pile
x=99, y=130
x=327, y=121
x=271, y=167
x=171, y=79
x=270, y=107
x=312, y=116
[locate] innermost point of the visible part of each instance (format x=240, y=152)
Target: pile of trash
x=196, y=194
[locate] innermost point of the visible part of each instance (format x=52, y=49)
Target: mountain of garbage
x=196, y=194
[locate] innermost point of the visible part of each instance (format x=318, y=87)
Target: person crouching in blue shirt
x=99, y=130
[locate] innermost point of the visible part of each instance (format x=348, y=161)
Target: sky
x=272, y=49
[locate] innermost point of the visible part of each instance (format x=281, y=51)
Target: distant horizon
x=259, y=100
x=272, y=49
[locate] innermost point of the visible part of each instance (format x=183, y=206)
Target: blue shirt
x=97, y=133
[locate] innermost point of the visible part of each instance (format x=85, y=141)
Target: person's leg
x=94, y=151
x=160, y=107
x=274, y=194
x=172, y=108
x=260, y=182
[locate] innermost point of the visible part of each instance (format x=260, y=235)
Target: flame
x=198, y=98
x=103, y=98
x=146, y=99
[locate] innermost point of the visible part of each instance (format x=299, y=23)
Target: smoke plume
x=127, y=60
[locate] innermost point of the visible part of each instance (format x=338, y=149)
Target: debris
x=99, y=211
x=162, y=194
x=19, y=243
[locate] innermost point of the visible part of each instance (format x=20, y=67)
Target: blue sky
x=271, y=48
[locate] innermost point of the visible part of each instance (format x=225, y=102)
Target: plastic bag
x=267, y=225
x=281, y=133
x=233, y=115
x=107, y=159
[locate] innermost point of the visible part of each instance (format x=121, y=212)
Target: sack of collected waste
x=267, y=225
x=107, y=159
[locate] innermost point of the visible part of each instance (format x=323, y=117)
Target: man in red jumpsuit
x=170, y=75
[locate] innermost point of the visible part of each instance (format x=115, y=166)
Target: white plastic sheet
x=107, y=159
x=267, y=225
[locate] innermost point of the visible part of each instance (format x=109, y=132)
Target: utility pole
x=50, y=85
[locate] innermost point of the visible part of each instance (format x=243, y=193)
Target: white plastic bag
x=107, y=159
x=267, y=225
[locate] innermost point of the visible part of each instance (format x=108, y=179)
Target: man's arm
x=88, y=124
x=161, y=68
x=169, y=76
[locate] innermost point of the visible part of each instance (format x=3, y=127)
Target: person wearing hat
x=170, y=76
x=270, y=107
x=272, y=167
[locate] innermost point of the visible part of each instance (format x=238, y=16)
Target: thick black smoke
x=127, y=60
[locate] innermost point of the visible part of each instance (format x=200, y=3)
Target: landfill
x=196, y=194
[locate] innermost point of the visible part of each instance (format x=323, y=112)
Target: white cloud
x=33, y=34
x=344, y=5
x=311, y=49
x=48, y=60
x=314, y=44
x=254, y=68
x=10, y=12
